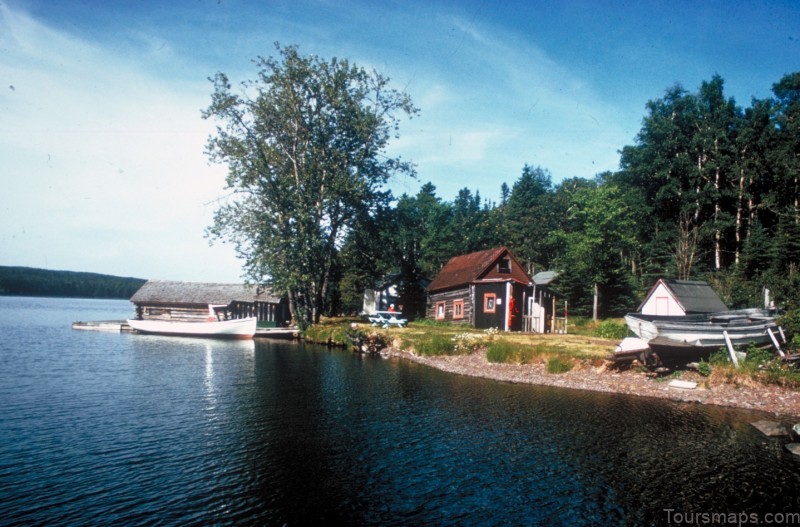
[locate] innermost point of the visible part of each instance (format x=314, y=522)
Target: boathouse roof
x=480, y=265
x=173, y=292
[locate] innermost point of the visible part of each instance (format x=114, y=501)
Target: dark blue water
x=106, y=428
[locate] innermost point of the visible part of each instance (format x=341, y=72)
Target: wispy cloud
x=510, y=104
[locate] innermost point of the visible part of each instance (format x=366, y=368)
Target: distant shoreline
x=22, y=295
x=772, y=399
x=30, y=281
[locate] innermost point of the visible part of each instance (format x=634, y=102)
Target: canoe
x=241, y=328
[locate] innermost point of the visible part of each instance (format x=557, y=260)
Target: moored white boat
x=241, y=328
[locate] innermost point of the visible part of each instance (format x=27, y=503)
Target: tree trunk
x=594, y=303
x=739, y=210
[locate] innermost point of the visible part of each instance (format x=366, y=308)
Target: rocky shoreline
x=598, y=377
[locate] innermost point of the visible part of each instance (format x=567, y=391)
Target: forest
x=28, y=281
x=709, y=190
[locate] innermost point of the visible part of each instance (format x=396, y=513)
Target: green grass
x=328, y=334
x=609, y=329
x=559, y=365
x=760, y=365
x=505, y=351
x=436, y=344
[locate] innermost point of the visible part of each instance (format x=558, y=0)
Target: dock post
x=732, y=351
x=775, y=342
x=783, y=335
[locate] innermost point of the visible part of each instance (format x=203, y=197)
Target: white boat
x=241, y=328
x=693, y=334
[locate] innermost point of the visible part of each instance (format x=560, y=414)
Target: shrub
x=758, y=356
x=436, y=344
x=720, y=357
x=782, y=375
x=558, y=365
x=609, y=329
x=465, y=343
x=704, y=368
x=790, y=322
x=501, y=351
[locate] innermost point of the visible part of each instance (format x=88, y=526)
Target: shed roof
x=172, y=292
x=468, y=268
x=545, y=277
x=695, y=296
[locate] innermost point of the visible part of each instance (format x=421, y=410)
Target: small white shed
x=681, y=297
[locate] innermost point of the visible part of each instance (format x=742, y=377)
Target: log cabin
x=485, y=289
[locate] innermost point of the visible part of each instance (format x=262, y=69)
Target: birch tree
x=305, y=144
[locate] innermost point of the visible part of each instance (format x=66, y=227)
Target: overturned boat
x=692, y=337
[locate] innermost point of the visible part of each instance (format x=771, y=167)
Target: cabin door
x=490, y=306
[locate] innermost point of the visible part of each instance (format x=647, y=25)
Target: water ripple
x=132, y=430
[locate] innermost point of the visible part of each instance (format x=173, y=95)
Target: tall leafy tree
x=787, y=149
x=714, y=142
x=305, y=145
x=684, y=163
x=530, y=217
x=597, y=239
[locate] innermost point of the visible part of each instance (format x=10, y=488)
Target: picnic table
x=386, y=319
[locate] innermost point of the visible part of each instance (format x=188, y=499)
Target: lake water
x=107, y=428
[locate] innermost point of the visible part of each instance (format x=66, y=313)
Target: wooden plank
x=775, y=342
x=686, y=385
x=731, y=350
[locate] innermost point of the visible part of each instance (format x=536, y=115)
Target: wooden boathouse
x=189, y=301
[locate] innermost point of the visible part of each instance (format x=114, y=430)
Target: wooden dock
x=278, y=333
x=119, y=326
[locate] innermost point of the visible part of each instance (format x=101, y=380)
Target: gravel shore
x=598, y=377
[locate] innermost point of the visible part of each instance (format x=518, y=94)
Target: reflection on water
x=136, y=430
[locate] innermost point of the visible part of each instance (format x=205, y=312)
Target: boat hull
x=698, y=335
x=244, y=328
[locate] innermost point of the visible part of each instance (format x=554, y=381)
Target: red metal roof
x=472, y=267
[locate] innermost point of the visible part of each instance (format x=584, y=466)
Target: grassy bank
x=760, y=366
x=587, y=345
x=426, y=338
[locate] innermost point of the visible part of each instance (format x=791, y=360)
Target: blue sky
x=102, y=142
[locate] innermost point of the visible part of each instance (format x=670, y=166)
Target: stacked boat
x=691, y=337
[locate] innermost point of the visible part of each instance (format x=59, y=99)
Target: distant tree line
x=28, y=281
x=709, y=190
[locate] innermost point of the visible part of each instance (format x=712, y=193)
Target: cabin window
x=504, y=265
x=440, y=310
x=458, y=309
x=489, y=303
